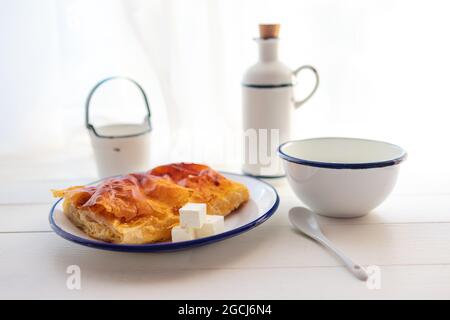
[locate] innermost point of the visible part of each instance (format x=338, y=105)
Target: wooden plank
x=397, y=209
x=399, y=282
x=24, y=218
x=35, y=191
x=39, y=271
x=265, y=247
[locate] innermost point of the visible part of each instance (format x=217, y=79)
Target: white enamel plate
x=263, y=203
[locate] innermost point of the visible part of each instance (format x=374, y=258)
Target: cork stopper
x=269, y=31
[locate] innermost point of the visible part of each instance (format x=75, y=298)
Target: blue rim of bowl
x=336, y=165
x=164, y=246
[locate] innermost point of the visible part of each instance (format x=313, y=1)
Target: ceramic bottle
x=267, y=105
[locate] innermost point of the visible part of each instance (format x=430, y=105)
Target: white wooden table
x=408, y=237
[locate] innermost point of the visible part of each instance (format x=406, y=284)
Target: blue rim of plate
x=164, y=246
x=337, y=165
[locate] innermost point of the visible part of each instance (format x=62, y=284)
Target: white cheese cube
x=182, y=234
x=192, y=215
x=213, y=225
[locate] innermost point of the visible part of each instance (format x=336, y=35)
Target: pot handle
x=316, y=74
x=89, y=125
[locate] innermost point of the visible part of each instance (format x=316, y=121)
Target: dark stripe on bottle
x=267, y=86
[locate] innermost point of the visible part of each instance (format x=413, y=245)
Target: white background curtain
x=384, y=69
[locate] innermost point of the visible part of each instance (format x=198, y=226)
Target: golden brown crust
x=221, y=195
x=143, y=208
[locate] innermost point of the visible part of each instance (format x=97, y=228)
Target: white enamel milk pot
x=120, y=148
x=268, y=102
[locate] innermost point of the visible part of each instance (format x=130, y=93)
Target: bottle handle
x=299, y=103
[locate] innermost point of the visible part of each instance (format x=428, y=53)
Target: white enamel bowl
x=341, y=177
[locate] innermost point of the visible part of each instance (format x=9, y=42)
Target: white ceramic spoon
x=304, y=220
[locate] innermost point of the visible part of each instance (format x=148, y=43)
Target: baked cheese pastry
x=220, y=194
x=143, y=207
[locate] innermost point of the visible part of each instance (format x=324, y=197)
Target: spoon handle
x=353, y=267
